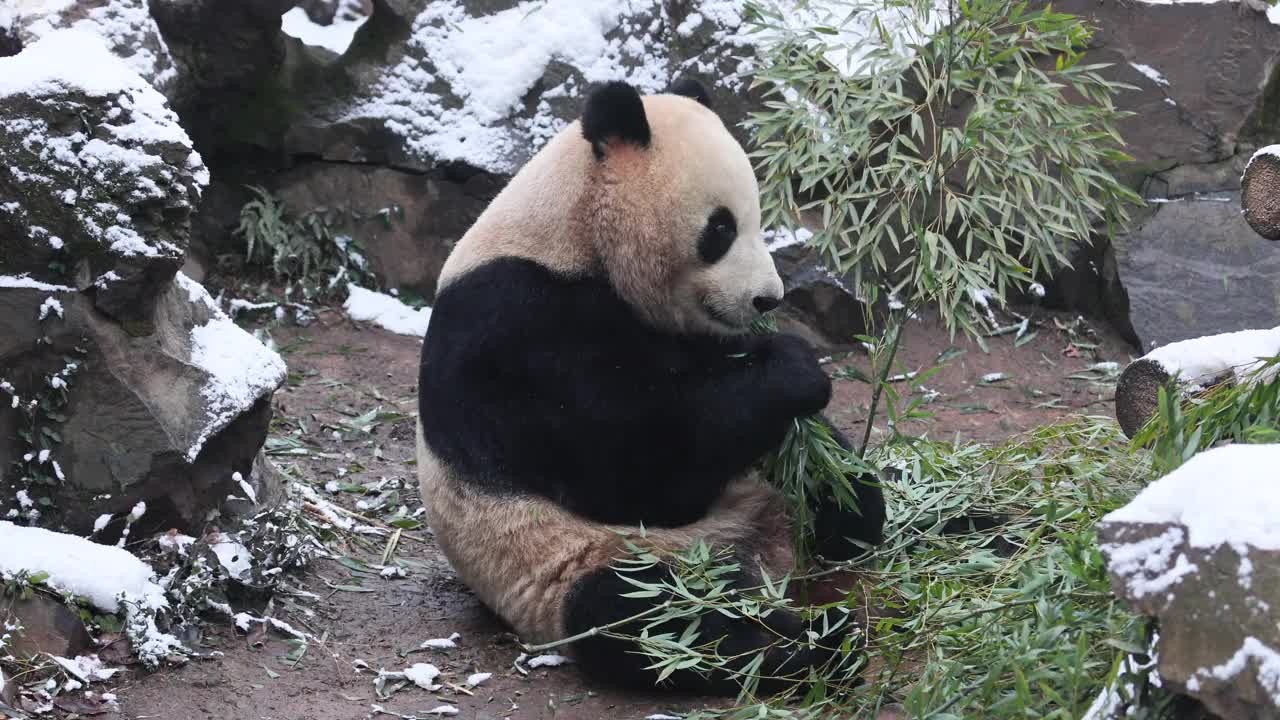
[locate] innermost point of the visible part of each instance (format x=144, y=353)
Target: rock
x=1091, y=286
x=48, y=626
x=818, y=300
x=165, y=418
x=1202, y=75
x=405, y=222
x=1199, y=550
x=122, y=380
x=1207, y=87
x=1260, y=192
x=237, y=76
x=1195, y=268
x=97, y=180
x=424, y=97
x=124, y=26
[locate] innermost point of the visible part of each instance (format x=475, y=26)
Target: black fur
x=531, y=382
x=834, y=526
x=691, y=88
x=614, y=111
x=597, y=600
x=717, y=235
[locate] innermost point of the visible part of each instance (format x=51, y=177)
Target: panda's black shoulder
x=519, y=295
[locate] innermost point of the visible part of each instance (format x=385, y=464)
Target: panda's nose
x=765, y=303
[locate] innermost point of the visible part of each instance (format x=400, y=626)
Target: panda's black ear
x=691, y=88
x=614, y=111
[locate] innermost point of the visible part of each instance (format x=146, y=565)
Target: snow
x=1265, y=659
x=72, y=59
x=1225, y=495
x=125, y=26
x=490, y=62
x=99, y=573
x=775, y=240
x=335, y=36
x=23, y=282
x=443, y=710
x=476, y=679
x=441, y=643
x=548, y=661
x=245, y=487
x=386, y=311
x=1200, y=360
x=51, y=305
x=233, y=556
x=101, y=523
x=241, y=370
x=1150, y=566
x=1151, y=73
x=422, y=675
x=86, y=668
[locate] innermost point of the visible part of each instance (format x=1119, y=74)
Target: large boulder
x=406, y=223
x=125, y=26
x=461, y=82
x=1194, y=267
x=1199, y=550
x=122, y=381
x=1207, y=93
x=97, y=180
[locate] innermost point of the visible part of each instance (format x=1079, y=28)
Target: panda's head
x=651, y=194
x=672, y=211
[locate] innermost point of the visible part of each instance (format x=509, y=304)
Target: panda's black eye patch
x=717, y=236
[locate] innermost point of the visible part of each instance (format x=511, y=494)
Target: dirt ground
x=339, y=370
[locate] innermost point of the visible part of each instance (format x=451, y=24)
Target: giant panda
x=588, y=379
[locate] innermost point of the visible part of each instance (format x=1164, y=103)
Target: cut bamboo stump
x=1260, y=192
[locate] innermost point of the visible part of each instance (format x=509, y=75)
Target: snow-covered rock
x=97, y=179
x=1199, y=549
x=1198, y=363
x=486, y=84
x=139, y=388
x=124, y=26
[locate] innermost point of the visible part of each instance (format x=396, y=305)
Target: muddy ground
x=340, y=371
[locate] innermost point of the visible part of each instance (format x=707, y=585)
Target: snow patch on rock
x=1228, y=495
x=241, y=369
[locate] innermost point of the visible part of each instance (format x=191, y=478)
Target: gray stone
x=408, y=221
x=1216, y=68
x=1213, y=96
x=1217, y=615
x=817, y=303
x=96, y=192
x=124, y=25
x=1195, y=268
x=122, y=381
x=48, y=626
x=139, y=423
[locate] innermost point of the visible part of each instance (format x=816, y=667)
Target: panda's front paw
x=802, y=385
